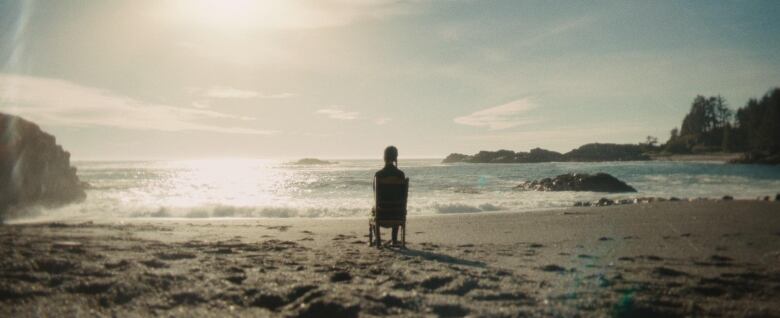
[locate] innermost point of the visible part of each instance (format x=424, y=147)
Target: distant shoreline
x=595, y=152
x=711, y=157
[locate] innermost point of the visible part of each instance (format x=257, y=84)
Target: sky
x=188, y=79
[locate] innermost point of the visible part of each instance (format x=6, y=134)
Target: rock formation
x=600, y=182
x=606, y=152
x=34, y=170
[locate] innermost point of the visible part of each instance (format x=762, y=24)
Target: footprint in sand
x=718, y=258
x=651, y=258
x=553, y=268
x=175, y=256
x=153, y=263
x=280, y=228
x=717, y=261
x=120, y=265
x=667, y=272
x=236, y=279
x=341, y=237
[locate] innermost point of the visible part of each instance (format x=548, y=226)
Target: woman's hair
x=391, y=154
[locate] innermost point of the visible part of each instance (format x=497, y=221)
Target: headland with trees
x=751, y=134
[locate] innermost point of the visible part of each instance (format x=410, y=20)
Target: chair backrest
x=390, y=196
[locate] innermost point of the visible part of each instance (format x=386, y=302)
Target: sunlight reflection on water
x=267, y=188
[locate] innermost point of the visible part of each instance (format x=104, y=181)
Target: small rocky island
x=34, y=170
x=600, y=182
x=314, y=161
x=594, y=152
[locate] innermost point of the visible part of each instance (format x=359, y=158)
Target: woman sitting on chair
x=390, y=170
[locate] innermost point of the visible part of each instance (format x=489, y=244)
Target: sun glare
x=229, y=181
x=233, y=14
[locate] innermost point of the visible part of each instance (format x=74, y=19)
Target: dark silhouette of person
x=390, y=170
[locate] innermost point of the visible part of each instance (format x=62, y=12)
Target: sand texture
x=671, y=259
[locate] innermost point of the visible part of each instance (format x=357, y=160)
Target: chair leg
x=378, y=236
x=403, y=236
x=370, y=234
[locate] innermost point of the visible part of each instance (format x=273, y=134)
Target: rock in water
x=314, y=161
x=33, y=168
x=600, y=182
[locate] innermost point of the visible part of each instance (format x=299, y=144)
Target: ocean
x=267, y=188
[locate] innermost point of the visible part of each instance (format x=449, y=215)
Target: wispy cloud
x=230, y=92
x=562, y=28
x=504, y=116
x=382, y=120
x=59, y=102
x=339, y=114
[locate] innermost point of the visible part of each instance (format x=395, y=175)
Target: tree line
x=711, y=126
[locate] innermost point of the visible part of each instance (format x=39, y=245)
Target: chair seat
x=388, y=222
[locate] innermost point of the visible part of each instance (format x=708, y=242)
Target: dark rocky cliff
x=34, y=170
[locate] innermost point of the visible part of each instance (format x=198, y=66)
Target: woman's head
x=391, y=154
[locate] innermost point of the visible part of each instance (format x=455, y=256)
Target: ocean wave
x=465, y=208
x=228, y=211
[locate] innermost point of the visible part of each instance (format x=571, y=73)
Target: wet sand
x=668, y=259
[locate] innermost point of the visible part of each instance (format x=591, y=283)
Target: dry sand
x=658, y=260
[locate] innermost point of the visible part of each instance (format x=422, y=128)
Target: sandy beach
x=668, y=259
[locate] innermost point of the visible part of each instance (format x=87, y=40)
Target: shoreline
x=658, y=259
x=615, y=199
x=715, y=157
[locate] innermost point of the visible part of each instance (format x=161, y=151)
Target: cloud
x=201, y=105
x=58, y=102
x=230, y=92
x=338, y=114
x=504, y=116
x=564, y=27
x=382, y=120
